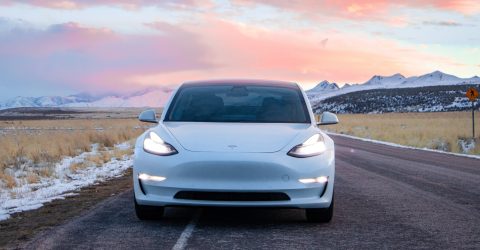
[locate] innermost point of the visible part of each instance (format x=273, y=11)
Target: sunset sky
x=104, y=46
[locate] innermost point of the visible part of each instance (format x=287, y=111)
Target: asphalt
x=386, y=197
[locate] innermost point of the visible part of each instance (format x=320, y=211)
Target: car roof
x=254, y=82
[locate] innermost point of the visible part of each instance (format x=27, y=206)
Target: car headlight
x=153, y=144
x=315, y=145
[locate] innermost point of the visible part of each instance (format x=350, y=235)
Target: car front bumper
x=233, y=173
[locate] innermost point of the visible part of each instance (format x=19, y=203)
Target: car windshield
x=238, y=103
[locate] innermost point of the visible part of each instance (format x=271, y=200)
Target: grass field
x=35, y=146
x=447, y=131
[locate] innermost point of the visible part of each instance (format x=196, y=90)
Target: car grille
x=232, y=196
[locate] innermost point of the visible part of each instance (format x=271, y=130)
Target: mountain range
x=151, y=97
x=326, y=90
x=157, y=97
x=431, y=92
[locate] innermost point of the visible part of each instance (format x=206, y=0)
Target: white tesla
x=243, y=143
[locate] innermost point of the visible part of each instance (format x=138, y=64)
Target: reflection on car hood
x=234, y=137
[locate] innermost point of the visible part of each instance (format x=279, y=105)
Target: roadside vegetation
x=446, y=131
x=34, y=147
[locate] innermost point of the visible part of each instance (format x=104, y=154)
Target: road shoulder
x=24, y=226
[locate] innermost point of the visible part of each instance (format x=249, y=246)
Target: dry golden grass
x=77, y=166
x=33, y=178
x=105, y=156
x=42, y=143
x=45, y=171
x=71, y=124
x=8, y=180
x=96, y=159
x=120, y=153
x=440, y=130
x=100, y=158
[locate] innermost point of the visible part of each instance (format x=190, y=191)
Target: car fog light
x=321, y=179
x=146, y=177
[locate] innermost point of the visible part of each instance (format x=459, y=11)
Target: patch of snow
x=460, y=102
x=123, y=146
x=466, y=145
x=61, y=183
x=431, y=109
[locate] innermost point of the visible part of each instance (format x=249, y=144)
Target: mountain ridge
x=157, y=96
x=151, y=97
x=435, y=78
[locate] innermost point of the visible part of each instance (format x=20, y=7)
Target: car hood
x=234, y=137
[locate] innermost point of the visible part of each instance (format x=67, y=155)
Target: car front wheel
x=323, y=215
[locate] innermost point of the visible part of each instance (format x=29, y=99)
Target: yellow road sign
x=472, y=94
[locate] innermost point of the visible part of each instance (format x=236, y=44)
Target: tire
x=322, y=215
x=148, y=212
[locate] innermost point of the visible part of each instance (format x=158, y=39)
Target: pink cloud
x=95, y=59
x=242, y=51
x=467, y=7
x=365, y=9
x=101, y=60
x=127, y=4
x=355, y=9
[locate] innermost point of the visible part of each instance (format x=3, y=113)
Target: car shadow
x=237, y=215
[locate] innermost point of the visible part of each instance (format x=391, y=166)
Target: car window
x=238, y=103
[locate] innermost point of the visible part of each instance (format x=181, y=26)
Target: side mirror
x=148, y=116
x=328, y=119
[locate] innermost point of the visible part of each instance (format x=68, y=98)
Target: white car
x=235, y=143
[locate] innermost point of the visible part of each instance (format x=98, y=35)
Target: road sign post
x=472, y=95
x=473, y=120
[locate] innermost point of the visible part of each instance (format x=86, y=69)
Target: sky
x=65, y=47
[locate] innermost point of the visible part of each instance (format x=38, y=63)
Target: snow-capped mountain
x=153, y=97
x=386, y=80
x=156, y=97
x=45, y=101
x=436, y=78
x=324, y=86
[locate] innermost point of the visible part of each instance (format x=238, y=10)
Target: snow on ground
x=460, y=102
x=62, y=183
x=409, y=147
x=467, y=145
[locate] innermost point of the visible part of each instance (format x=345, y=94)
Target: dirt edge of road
x=23, y=226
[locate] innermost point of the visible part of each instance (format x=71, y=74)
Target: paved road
x=386, y=197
